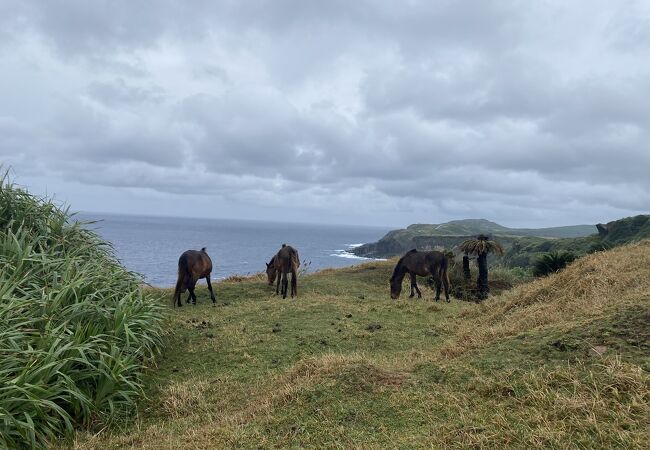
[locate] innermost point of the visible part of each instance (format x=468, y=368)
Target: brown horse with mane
x=192, y=266
x=284, y=262
x=420, y=263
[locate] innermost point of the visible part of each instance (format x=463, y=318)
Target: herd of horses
x=196, y=264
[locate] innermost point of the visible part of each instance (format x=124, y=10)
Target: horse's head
x=270, y=272
x=395, y=287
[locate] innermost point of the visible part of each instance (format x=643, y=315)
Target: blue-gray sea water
x=151, y=245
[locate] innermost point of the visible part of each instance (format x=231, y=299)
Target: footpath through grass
x=561, y=362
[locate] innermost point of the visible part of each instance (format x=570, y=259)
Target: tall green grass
x=76, y=330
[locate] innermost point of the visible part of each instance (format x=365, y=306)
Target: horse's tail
x=179, y=286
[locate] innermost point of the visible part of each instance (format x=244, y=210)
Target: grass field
x=561, y=362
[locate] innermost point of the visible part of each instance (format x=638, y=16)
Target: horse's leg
x=285, y=284
x=214, y=300
x=436, y=280
x=414, y=279
x=277, y=285
x=294, y=283
x=445, y=282
x=412, y=275
x=192, y=295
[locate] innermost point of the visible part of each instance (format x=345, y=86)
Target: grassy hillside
x=522, y=252
x=450, y=234
x=76, y=330
x=561, y=362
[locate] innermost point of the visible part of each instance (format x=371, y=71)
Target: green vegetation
x=523, y=247
x=451, y=234
x=75, y=327
x=559, y=362
x=552, y=262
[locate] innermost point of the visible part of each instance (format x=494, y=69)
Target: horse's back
x=287, y=257
x=421, y=263
x=195, y=262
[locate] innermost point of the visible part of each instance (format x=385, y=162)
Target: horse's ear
x=203, y=249
x=267, y=265
x=284, y=245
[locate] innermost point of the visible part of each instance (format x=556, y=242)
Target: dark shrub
x=551, y=263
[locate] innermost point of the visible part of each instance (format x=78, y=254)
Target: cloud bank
x=361, y=112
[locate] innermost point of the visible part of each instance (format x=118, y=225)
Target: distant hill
x=472, y=227
x=522, y=245
x=450, y=234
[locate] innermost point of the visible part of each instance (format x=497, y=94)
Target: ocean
x=151, y=246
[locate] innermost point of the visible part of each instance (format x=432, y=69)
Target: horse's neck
x=400, y=271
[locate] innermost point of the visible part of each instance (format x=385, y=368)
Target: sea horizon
x=150, y=245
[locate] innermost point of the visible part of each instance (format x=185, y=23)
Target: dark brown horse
x=284, y=262
x=192, y=266
x=423, y=264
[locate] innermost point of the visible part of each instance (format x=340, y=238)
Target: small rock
x=361, y=297
x=349, y=316
x=276, y=329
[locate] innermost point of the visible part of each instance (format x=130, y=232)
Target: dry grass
x=186, y=398
x=310, y=373
x=584, y=290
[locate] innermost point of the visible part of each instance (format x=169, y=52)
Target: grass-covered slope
x=75, y=328
x=561, y=362
x=522, y=252
x=451, y=234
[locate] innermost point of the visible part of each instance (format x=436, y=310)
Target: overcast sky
x=528, y=113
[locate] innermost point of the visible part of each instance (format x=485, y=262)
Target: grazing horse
x=192, y=266
x=423, y=264
x=285, y=261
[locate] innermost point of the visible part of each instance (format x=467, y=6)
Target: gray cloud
x=388, y=112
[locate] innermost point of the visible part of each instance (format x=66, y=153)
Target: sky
x=385, y=113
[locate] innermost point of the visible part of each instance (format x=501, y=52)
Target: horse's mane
x=398, y=266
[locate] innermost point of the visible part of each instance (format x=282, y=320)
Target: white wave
x=348, y=255
x=354, y=245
